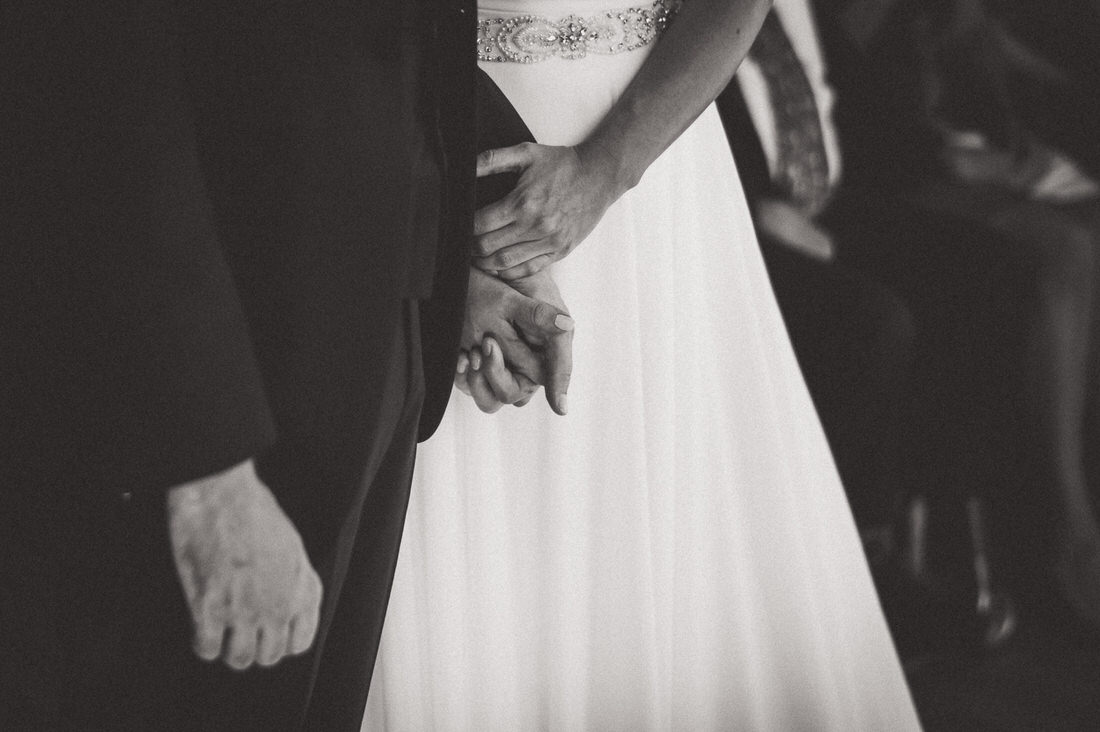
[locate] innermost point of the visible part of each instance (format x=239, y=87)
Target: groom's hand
x=252, y=592
x=517, y=335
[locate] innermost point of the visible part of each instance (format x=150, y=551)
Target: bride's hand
x=561, y=195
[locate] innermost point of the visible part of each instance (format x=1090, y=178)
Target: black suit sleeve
x=126, y=362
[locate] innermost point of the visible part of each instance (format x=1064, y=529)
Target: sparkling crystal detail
x=532, y=38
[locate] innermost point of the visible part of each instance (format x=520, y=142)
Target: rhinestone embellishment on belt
x=531, y=38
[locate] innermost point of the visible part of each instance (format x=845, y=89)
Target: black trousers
x=94, y=633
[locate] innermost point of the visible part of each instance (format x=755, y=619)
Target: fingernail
x=475, y=360
x=564, y=322
x=463, y=364
x=488, y=348
x=563, y=403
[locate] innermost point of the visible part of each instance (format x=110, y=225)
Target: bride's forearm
x=563, y=192
x=686, y=70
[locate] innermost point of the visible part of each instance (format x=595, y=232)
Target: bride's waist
x=554, y=8
x=528, y=31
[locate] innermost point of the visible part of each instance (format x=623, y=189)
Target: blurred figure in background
x=852, y=335
x=991, y=235
x=1066, y=108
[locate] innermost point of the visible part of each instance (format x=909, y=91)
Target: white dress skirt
x=675, y=554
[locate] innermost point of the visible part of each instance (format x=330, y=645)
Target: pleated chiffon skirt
x=675, y=554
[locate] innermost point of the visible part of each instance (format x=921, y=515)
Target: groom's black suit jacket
x=200, y=201
x=213, y=217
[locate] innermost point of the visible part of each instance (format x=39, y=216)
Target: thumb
x=541, y=321
x=559, y=366
x=503, y=160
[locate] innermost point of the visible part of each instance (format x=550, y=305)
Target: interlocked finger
x=507, y=386
x=482, y=393
x=520, y=358
x=462, y=368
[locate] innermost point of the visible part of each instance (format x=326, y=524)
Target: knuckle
x=213, y=598
x=529, y=209
x=277, y=614
x=506, y=259
x=540, y=312
x=252, y=616
x=482, y=246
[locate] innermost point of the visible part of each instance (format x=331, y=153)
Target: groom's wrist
x=227, y=486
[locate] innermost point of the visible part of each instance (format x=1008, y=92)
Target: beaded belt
x=530, y=38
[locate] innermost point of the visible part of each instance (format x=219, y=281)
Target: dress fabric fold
x=675, y=554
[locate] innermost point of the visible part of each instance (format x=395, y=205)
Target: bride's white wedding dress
x=675, y=554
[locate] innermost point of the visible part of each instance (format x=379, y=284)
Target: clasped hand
x=561, y=195
x=516, y=336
